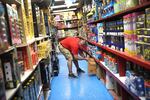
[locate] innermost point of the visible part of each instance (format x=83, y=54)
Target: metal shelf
x=8, y=50
x=66, y=20
x=120, y=80
x=27, y=73
x=11, y=92
x=134, y=59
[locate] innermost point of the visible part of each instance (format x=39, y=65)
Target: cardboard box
x=91, y=66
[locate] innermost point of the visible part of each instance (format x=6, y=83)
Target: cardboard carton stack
x=91, y=66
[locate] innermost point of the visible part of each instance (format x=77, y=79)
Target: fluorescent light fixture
x=64, y=10
x=63, y=6
x=59, y=0
x=56, y=13
x=59, y=13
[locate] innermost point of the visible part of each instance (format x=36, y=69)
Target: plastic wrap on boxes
x=135, y=83
x=147, y=90
x=109, y=82
x=2, y=84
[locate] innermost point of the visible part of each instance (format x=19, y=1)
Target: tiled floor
x=82, y=88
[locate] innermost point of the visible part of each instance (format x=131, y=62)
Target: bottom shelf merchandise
x=2, y=84
x=10, y=70
x=32, y=87
x=54, y=63
x=11, y=92
x=45, y=74
x=135, y=82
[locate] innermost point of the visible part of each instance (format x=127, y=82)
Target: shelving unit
x=31, y=41
x=120, y=80
x=117, y=77
x=73, y=27
x=11, y=92
x=143, y=63
x=12, y=1
x=66, y=20
x=23, y=46
x=8, y=50
x=29, y=72
x=119, y=56
x=122, y=13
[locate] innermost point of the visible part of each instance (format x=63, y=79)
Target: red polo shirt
x=71, y=43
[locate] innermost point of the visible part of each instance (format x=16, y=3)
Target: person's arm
x=81, y=53
x=79, y=57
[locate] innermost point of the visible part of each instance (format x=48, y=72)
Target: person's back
x=71, y=43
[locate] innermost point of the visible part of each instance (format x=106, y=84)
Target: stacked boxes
x=36, y=19
x=100, y=32
x=31, y=88
x=114, y=34
x=45, y=75
x=46, y=19
x=44, y=49
x=22, y=35
x=135, y=83
x=2, y=84
x=13, y=29
x=24, y=21
x=10, y=71
x=92, y=49
x=129, y=33
x=142, y=31
x=20, y=62
x=42, y=25
x=3, y=30
x=147, y=11
x=111, y=62
x=34, y=54
x=147, y=90
x=91, y=66
x=29, y=17
x=108, y=9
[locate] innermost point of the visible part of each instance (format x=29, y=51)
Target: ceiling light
x=59, y=0
x=64, y=10
x=63, y=6
x=60, y=13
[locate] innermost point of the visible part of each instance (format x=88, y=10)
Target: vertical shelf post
x=121, y=66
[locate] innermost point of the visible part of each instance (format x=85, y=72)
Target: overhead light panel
x=60, y=13
x=63, y=6
x=58, y=0
x=64, y=10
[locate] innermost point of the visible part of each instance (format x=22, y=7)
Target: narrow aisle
x=82, y=88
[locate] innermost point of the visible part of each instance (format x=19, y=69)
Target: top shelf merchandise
x=124, y=9
x=66, y=20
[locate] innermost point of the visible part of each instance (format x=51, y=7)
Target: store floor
x=84, y=87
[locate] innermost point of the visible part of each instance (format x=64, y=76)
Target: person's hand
x=86, y=58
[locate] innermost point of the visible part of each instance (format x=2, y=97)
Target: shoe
x=80, y=71
x=72, y=75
